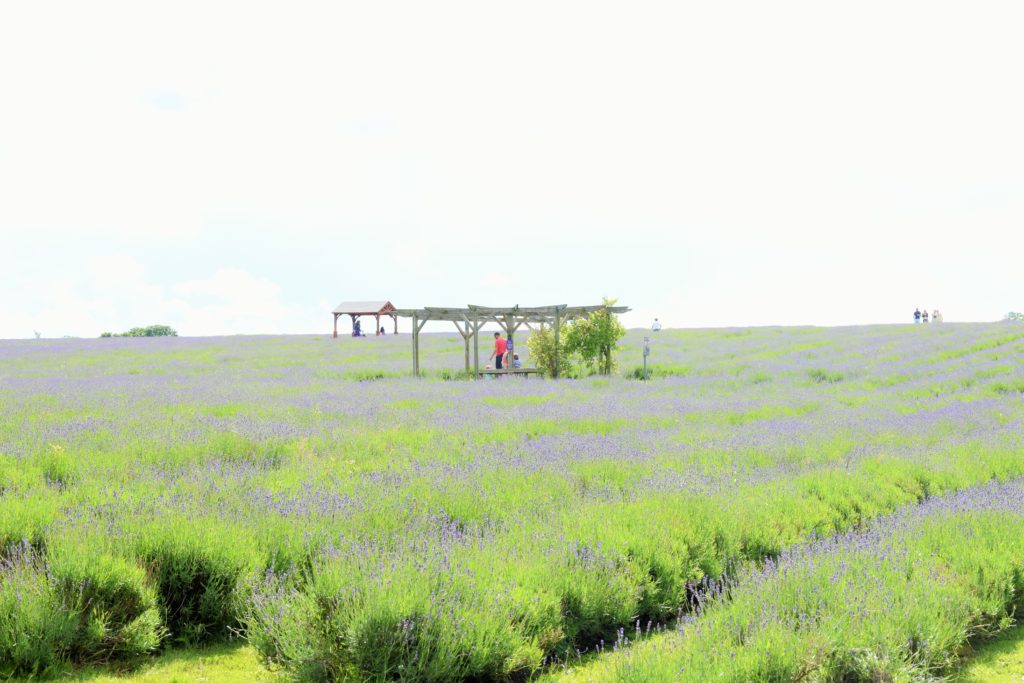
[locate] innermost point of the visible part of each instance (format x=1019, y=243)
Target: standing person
x=917, y=315
x=498, y=353
x=924, y=315
x=936, y=316
x=656, y=326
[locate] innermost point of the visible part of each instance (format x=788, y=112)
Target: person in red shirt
x=499, y=350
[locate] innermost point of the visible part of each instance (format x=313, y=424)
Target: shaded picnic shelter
x=469, y=320
x=355, y=309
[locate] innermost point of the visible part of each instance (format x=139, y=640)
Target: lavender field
x=774, y=504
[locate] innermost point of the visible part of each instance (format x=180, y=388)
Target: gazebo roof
x=364, y=307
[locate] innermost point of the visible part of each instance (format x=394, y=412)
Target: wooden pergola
x=359, y=308
x=469, y=320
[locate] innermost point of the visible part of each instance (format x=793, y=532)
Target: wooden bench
x=526, y=372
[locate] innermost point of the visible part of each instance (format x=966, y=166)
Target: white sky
x=241, y=167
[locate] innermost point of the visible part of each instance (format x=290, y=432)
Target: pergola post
x=555, y=329
x=415, y=346
x=465, y=339
x=395, y=318
x=476, y=347
x=376, y=325
x=336, y=325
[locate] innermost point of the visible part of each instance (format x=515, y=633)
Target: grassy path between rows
x=225, y=663
x=1000, y=660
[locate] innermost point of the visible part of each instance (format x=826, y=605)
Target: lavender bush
x=352, y=521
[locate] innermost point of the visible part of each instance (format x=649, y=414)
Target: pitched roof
x=370, y=307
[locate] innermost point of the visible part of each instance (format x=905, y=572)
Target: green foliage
x=822, y=376
x=77, y=604
x=595, y=338
x=1015, y=316
x=36, y=632
x=660, y=370
x=111, y=596
x=197, y=566
x=541, y=344
x=150, y=331
x=941, y=579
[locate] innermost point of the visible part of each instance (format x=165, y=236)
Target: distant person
x=917, y=315
x=936, y=316
x=516, y=363
x=499, y=350
x=924, y=315
x=382, y=330
x=357, y=329
x=656, y=326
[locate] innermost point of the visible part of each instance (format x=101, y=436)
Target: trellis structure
x=469, y=320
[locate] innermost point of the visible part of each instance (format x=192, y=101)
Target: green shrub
x=368, y=375
x=59, y=469
x=198, y=567
x=825, y=376
x=454, y=375
x=113, y=600
x=660, y=370
x=410, y=625
x=37, y=632
x=24, y=518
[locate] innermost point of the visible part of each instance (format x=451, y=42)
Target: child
x=516, y=363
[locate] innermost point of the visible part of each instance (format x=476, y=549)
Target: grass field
x=776, y=504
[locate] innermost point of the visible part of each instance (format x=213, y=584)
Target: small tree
x=596, y=337
x=541, y=344
x=1015, y=316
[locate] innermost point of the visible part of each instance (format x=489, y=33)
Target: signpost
x=647, y=352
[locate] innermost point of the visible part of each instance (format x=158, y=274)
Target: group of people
x=357, y=329
x=922, y=316
x=504, y=355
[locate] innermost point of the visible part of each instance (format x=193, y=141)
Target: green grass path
x=233, y=663
x=1000, y=661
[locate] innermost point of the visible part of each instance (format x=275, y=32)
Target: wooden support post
x=336, y=325
x=465, y=339
x=417, y=327
x=395, y=318
x=376, y=325
x=506, y=325
x=555, y=329
x=476, y=348
x=415, y=346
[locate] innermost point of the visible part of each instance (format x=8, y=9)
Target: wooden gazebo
x=469, y=320
x=360, y=308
